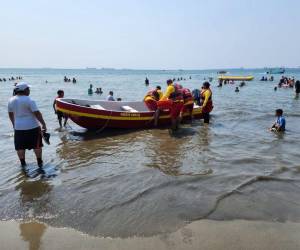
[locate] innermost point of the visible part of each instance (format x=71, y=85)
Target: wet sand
x=204, y=234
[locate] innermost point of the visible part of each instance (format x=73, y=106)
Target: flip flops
x=46, y=137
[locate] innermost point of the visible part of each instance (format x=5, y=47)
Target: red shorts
x=176, y=109
x=151, y=104
x=166, y=104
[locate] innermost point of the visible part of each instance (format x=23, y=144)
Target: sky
x=150, y=34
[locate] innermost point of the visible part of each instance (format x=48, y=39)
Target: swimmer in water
x=90, y=90
x=279, y=125
x=242, y=84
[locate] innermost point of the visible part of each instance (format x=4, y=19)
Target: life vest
x=178, y=86
x=160, y=93
x=177, y=95
x=209, y=106
x=152, y=94
x=187, y=96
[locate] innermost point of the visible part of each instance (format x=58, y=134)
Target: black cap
x=206, y=84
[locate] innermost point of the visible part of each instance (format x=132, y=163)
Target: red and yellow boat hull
x=94, y=119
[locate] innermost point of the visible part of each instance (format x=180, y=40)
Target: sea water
x=145, y=182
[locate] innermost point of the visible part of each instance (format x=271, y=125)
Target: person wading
x=188, y=105
x=151, y=99
x=174, y=99
x=297, y=88
x=206, y=101
x=26, y=120
x=60, y=115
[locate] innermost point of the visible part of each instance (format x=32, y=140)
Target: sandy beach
x=205, y=234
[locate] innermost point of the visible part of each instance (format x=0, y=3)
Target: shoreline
x=204, y=234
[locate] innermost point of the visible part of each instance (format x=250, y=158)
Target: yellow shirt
x=169, y=91
x=160, y=93
x=207, y=95
x=149, y=98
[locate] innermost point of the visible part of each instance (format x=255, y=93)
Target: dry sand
x=205, y=234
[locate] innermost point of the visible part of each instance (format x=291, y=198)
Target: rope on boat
x=108, y=120
x=105, y=125
x=67, y=123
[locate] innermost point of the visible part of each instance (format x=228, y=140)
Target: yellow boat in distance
x=236, y=78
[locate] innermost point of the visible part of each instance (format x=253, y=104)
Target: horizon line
x=133, y=69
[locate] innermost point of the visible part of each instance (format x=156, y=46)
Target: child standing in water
x=279, y=125
x=60, y=115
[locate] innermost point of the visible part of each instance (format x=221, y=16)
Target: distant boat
x=276, y=71
x=87, y=68
x=236, y=78
x=222, y=72
x=108, y=69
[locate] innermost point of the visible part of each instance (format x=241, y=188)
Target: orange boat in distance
x=95, y=115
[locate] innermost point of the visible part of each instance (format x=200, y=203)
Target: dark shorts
x=60, y=115
x=205, y=117
x=28, y=139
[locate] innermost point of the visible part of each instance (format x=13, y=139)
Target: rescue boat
x=236, y=78
x=95, y=115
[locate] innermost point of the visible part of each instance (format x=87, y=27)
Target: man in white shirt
x=110, y=97
x=26, y=120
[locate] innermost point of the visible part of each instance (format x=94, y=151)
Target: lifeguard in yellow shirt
x=206, y=101
x=175, y=104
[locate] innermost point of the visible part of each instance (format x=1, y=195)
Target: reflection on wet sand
x=204, y=138
x=31, y=190
x=81, y=147
x=32, y=233
x=35, y=199
x=205, y=234
x=168, y=153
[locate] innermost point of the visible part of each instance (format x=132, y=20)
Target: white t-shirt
x=110, y=98
x=23, y=108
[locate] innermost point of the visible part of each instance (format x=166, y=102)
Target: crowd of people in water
x=232, y=82
x=265, y=79
x=98, y=91
x=289, y=82
x=178, y=79
x=286, y=82
x=66, y=79
x=11, y=78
